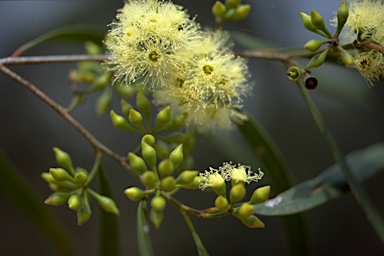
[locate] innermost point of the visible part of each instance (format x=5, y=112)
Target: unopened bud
x=260, y=195
x=176, y=122
x=165, y=168
x=104, y=101
x=176, y=156
x=158, y=203
x=342, y=16
x=59, y=174
x=149, y=179
x=149, y=154
x=318, y=59
x=143, y=104
x=119, y=121
x=245, y=210
x=221, y=203
x=101, y=82
x=137, y=163
x=75, y=202
x=237, y=193
x=346, y=57
x=232, y=3
x=125, y=107
x=84, y=212
x=149, y=139
x=168, y=184
x=163, y=117
x=48, y=177
x=241, y=12
x=309, y=26
x=63, y=159
x=57, y=198
x=318, y=22
x=253, y=222
x=156, y=217
x=135, y=118
x=81, y=178
x=134, y=193
x=219, y=9
x=106, y=203
x=194, y=185
x=313, y=45
x=186, y=177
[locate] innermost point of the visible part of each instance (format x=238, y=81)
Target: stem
x=51, y=59
x=373, y=216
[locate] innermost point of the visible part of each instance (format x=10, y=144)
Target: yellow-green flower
x=212, y=178
x=240, y=173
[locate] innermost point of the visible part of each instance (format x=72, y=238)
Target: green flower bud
x=84, y=212
x=125, y=107
x=81, y=178
x=165, y=168
x=92, y=48
x=57, y=198
x=119, y=122
x=194, y=185
x=313, y=45
x=149, y=139
x=156, y=217
x=158, y=203
x=342, y=16
x=59, y=174
x=106, y=203
x=134, y=193
x=48, y=177
x=307, y=22
x=168, y=184
x=346, y=57
x=176, y=156
x=245, y=210
x=137, y=163
x=104, y=101
x=186, y=177
x=318, y=22
x=232, y=3
x=149, y=154
x=318, y=59
x=219, y=9
x=63, y=159
x=125, y=91
x=237, y=193
x=176, y=122
x=253, y=222
x=260, y=195
x=75, y=202
x=241, y=12
x=221, y=203
x=163, y=117
x=162, y=149
x=101, y=82
x=143, y=104
x=149, y=179
x=135, y=118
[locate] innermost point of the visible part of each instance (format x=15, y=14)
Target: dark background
x=29, y=129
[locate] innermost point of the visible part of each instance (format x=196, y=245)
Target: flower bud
x=63, y=159
x=158, y=203
x=81, y=178
x=104, y=101
x=237, y=193
x=168, y=184
x=92, y=48
x=134, y=193
x=149, y=139
x=48, y=177
x=318, y=22
x=75, y=202
x=165, y=168
x=149, y=154
x=309, y=26
x=59, y=174
x=156, y=217
x=100, y=82
x=135, y=118
x=260, y=195
x=219, y=9
x=125, y=107
x=313, y=45
x=253, y=222
x=137, y=163
x=245, y=210
x=84, y=212
x=241, y=12
x=176, y=156
x=162, y=149
x=346, y=57
x=163, y=117
x=119, y=122
x=342, y=16
x=57, y=198
x=194, y=184
x=176, y=122
x=318, y=59
x=232, y=3
x=221, y=203
x=143, y=104
x=149, y=179
x=186, y=177
x=106, y=203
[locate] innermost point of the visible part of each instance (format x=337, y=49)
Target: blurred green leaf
x=145, y=246
x=78, y=32
x=327, y=186
x=250, y=41
x=199, y=244
x=109, y=228
x=18, y=189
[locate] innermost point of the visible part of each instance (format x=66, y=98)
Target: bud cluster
x=232, y=10
x=71, y=185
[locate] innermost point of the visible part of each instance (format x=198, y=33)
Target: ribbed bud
x=104, y=101
x=219, y=9
x=57, y=198
x=81, y=178
x=237, y=193
x=63, y=159
x=158, y=203
x=137, y=163
x=313, y=45
x=149, y=179
x=221, y=203
x=84, y=212
x=143, y=104
x=186, y=177
x=245, y=210
x=149, y=139
x=346, y=57
x=318, y=59
x=165, y=168
x=342, y=16
x=75, y=202
x=318, y=22
x=59, y=174
x=168, y=184
x=107, y=204
x=134, y=193
x=163, y=117
x=119, y=122
x=253, y=222
x=156, y=217
x=176, y=156
x=241, y=12
x=309, y=26
x=135, y=118
x=260, y=195
x=149, y=154
x=125, y=107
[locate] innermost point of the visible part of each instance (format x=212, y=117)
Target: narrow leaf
x=18, y=189
x=199, y=244
x=145, y=246
x=329, y=185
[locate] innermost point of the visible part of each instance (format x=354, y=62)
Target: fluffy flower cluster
x=191, y=70
x=365, y=24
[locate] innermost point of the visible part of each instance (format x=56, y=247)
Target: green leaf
x=199, y=244
x=109, y=228
x=145, y=246
x=79, y=32
x=327, y=186
x=18, y=189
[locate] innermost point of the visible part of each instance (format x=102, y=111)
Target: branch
x=51, y=59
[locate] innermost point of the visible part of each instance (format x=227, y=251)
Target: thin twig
x=51, y=59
